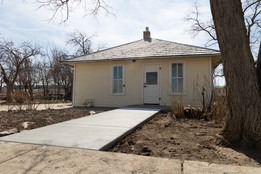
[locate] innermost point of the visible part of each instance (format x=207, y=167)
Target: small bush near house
x=179, y=110
x=216, y=110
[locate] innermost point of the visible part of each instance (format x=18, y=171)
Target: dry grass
x=20, y=96
x=177, y=106
x=22, y=101
x=218, y=108
x=215, y=110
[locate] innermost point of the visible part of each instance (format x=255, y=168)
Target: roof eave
x=69, y=63
x=142, y=58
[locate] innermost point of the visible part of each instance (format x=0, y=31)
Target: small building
x=146, y=71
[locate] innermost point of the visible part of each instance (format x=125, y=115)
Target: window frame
x=123, y=79
x=184, y=78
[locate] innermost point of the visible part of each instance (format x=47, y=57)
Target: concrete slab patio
x=96, y=132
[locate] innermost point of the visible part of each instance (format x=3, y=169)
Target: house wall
x=93, y=80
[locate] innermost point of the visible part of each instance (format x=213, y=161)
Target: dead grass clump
x=216, y=112
x=177, y=106
x=20, y=96
x=218, y=108
x=179, y=110
x=21, y=101
x=193, y=113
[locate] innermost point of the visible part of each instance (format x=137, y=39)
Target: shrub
x=20, y=97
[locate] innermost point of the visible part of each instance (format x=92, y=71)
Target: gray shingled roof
x=142, y=49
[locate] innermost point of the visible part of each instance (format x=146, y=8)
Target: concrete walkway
x=96, y=132
x=28, y=158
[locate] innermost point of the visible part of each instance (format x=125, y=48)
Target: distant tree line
x=27, y=67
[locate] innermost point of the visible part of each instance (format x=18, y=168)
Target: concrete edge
x=9, y=141
x=95, y=108
x=191, y=167
x=115, y=141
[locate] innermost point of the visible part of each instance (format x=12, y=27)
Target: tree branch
x=252, y=12
x=249, y=5
x=91, y=7
x=198, y=26
x=252, y=19
x=81, y=42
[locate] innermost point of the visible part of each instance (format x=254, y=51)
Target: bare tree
x=44, y=74
x=66, y=74
x=251, y=10
x=11, y=59
x=62, y=75
x=199, y=26
x=65, y=7
x=81, y=42
x=28, y=77
x=55, y=69
x=243, y=123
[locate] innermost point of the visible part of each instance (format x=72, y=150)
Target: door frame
x=159, y=80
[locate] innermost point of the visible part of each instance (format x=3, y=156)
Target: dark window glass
x=151, y=78
x=180, y=70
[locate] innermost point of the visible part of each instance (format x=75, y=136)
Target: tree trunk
x=258, y=67
x=30, y=91
x=44, y=90
x=1, y=86
x=243, y=124
x=47, y=91
x=8, y=93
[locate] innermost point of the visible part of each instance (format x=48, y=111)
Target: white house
x=146, y=71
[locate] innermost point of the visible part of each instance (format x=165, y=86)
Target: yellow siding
x=93, y=81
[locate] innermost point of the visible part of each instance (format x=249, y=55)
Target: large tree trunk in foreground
x=258, y=66
x=243, y=124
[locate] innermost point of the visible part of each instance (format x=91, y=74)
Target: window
x=117, y=80
x=177, y=78
x=152, y=78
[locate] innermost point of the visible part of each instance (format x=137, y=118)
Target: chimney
x=146, y=35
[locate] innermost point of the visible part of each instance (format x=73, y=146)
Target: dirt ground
x=185, y=139
x=162, y=136
x=15, y=119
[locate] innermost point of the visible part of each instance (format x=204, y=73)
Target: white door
x=151, y=86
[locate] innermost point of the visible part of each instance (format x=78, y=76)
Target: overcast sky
x=23, y=21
